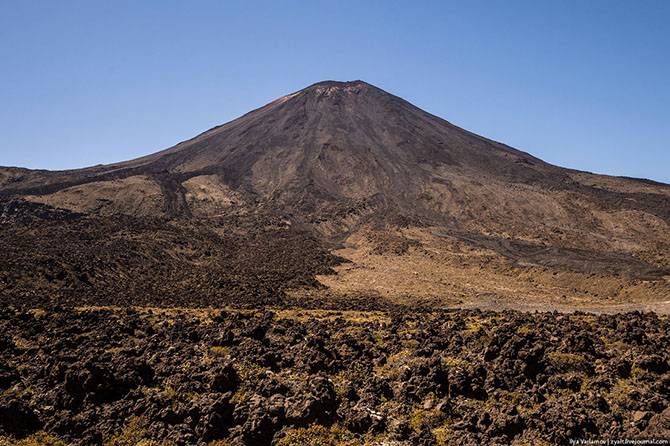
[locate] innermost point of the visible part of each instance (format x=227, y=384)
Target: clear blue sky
x=582, y=84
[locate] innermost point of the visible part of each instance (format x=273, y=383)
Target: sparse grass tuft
x=134, y=433
x=38, y=313
x=420, y=418
x=444, y=434
x=37, y=439
x=219, y=352
x=567, y=362
x=224, y=442
x=24, y=344
x=317, y=435
x=248, y=373
x=395, y=364
x=450, y=362
x=509, y=398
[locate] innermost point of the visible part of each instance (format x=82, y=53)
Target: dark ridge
x=330, y=83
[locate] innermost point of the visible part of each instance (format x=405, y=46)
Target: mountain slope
x=330, y=142
x=362, y=170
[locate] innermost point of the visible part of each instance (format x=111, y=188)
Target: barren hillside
x=421, y=209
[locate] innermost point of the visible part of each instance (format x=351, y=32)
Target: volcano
x=341, y=191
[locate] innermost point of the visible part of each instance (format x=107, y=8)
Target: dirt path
x=500, y=304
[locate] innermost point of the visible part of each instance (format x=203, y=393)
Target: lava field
x=140, y=376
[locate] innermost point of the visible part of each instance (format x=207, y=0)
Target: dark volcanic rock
x=659, y=425
x=224, y=378
x=143, y=375
x=17, y=418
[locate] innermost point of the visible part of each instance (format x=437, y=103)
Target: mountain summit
x=331, y=144
x=365, y=171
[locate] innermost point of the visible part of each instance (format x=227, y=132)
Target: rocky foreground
x=294, y=377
